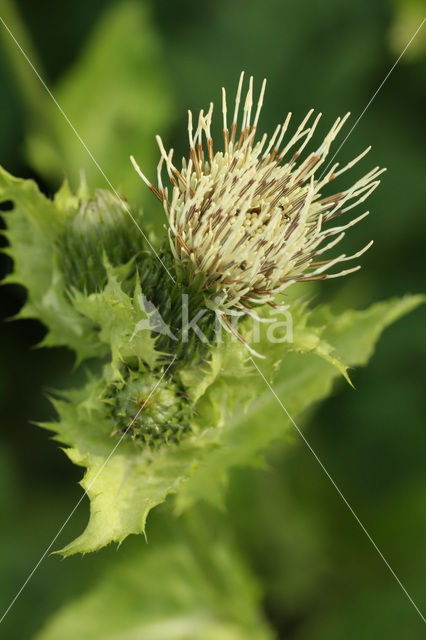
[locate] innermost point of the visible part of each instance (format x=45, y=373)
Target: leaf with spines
x=33, y=227
x=123, y=480
x=304, y=377
x=236, y=418
x=118, y=317
x=50, y=258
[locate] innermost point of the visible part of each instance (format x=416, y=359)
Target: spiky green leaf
x=33, y=227
x=122, y=321
x=305, y=376
x=236, y=419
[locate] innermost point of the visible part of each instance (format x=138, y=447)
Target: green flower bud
x=101, y=228
x=151, y=418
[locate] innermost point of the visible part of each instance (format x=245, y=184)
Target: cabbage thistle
x=162, y=409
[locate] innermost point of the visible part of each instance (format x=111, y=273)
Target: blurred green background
x=124, y=71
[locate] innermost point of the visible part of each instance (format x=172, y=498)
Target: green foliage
x=234, y=423
x=123, y=484
x=33, y=227
x=408, y=16
x=167, y=591
x=36, y=230
x=304, y=377
x=116, y=95
x=324, y=579
x=150, y=425
x=118, y=315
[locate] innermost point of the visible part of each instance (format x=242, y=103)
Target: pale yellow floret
x=252, y=216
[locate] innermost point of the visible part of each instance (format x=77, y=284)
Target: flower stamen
x=252, y=216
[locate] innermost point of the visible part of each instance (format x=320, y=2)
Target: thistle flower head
x=252, y=216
